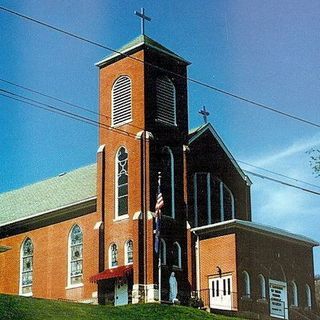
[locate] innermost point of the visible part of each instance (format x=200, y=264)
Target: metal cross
x=205, y=114
x=143, y=17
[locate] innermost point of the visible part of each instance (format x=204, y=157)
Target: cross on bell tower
x=143, y=17
x=205, y=114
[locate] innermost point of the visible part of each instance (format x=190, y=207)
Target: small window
x=113, y=256
x=122, y=182
x=129, y=252
x=163, y=248
x=166, y=101
x=308, y=296
x=26, y=267
x=121, y=101
x=75, y=256
x=262, y=287
x=167, y=182
x=246, y=284
x=176, y=255
x=294, y=294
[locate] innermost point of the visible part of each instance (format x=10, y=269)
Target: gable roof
x=255, y=227
x=136, y=43
x=196, y=133
x=48, y=195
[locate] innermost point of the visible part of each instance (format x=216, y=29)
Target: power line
x=62, y=101
x=201, y=83
x=279, y=174
x=53, y=109
x=282, y=182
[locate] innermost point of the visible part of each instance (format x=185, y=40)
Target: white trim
x=195, y=188
x=116, y=216
x=308, y=296
x=209, y=218
x=97, y=225
x=126, y=253
x=51, y=210
x=69, y=285
x=255, y=227
x=74, y=286
x=110, y=256
x=29, y=294
x=176, y=243
x=163, y=251
x=262, y=285
x=294, y=293
x=209, y=127
x=221, y=201
x=246, y=284
x=101, y=148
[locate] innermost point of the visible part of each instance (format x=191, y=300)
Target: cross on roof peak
x=143, y=17
x=205, y=114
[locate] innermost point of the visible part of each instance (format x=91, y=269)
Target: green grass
x=22, y=308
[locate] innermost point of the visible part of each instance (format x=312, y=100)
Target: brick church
x=89, y=235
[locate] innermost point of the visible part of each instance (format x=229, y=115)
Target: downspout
x=197, y=248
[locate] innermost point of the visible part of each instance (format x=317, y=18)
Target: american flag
x=159, y=205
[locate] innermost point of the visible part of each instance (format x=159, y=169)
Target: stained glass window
x=76, y=257
x=27, y=267
x=122, y=182
x=113, y=255
x=129, y=252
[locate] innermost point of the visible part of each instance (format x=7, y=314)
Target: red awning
x=118, y=272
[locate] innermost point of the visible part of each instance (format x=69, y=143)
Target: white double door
x=221, y=292
x=120, y=293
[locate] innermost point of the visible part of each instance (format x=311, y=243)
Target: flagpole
x=159, y=249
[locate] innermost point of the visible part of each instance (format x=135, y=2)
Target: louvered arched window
x=308, y=296
x=26, y=268
x=121, y=101
x=294, y=293
x=246, y=284
x=262, y=285
x=166, y=101
x=75, y=256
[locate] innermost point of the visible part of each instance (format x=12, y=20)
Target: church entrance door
x=278, y=299
x=221, y=293
x=121, y=293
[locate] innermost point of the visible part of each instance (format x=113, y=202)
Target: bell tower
x=144, y=127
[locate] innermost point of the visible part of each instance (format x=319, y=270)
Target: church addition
x=88, y=235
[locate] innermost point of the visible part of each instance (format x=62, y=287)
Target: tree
x=315, y=161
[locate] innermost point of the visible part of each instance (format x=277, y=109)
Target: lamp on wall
x=219, y=271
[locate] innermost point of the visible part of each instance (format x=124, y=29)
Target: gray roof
x=255, y=227
x=48, y=195
x=137, y=42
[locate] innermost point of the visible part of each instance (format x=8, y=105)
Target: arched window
x=163, y=252
x=176, y=255
x=166, y=101
x=308, y=296
x=293, y=294
x=262, y=286
x=128, y=258
x=167, y=182
x=246, y=284
x=228, y=203
x=121, y=101
x=26, y=267
x=121, y=183
x=113, y=256
x=75, y=274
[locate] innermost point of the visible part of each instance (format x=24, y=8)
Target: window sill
x=74, y=286
x=121, y=123
x=176, y=268
x=166, y=123
x=124, y=217
x=30, y=294
x=262, y=300
x=164, y=216
x=246, y=298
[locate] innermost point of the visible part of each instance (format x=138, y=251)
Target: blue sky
x=267, y=51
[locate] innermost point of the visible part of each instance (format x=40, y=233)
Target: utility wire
x=279, y=174
x=282, y=182
x=77, y=117
x=62, y=101
x=53, y=109
x=201, y=83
